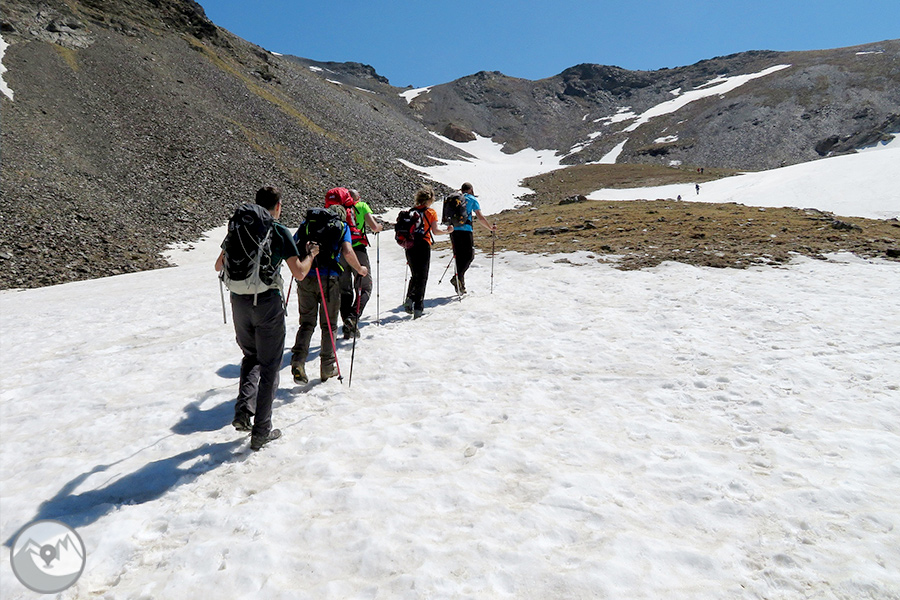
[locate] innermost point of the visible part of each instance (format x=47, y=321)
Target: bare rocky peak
x=58, y=16
x=825, y=102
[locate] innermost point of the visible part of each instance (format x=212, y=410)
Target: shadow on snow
x=148, y=483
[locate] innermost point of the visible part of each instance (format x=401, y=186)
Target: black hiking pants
x=464, y=249
x=419, y=259
x=260, y=334
x=352, y=305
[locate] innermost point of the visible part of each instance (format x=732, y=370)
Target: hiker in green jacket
x=355, y=288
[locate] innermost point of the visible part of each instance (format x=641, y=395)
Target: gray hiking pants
x=310, y=299
x=260, y=334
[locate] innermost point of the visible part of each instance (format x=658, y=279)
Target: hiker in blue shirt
x=319, y=295
x=463, y=238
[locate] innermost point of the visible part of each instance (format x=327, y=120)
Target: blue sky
x=430, y=42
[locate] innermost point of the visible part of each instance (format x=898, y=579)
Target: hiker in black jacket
x=259, y=327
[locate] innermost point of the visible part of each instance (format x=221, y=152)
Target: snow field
x=580, y=432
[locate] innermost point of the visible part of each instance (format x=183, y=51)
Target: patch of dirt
x=644, y=233
x=552, y=187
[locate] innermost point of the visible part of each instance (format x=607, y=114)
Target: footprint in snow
x=471, y=450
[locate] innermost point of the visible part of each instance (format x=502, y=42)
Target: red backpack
x=341, y=197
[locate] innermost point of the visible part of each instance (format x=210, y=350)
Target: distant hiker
x=463, y=239
x=319, y=294
x=697, y=187
x=250, y=264
x=356, y=290
x=418, y=254
x=679, y=197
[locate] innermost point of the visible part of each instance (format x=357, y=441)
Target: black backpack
x=455, y=211
x=326, y=228
x=248, y=267
x=410, y=227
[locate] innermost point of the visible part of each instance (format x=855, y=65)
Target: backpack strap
x=258, y=262
x=426, y=224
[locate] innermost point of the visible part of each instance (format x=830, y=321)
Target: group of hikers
x=327, y=257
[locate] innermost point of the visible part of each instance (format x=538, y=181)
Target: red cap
x=338, y=196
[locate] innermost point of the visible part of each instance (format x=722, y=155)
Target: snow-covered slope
x=581, y=432
x=855, y=185
x=860, y=185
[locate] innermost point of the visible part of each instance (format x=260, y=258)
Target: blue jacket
x=471, y=206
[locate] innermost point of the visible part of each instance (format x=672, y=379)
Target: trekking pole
x=328, y=322
x=447, y=268
x=356, y=333
x=493, y=238
x=405, y=275
x=288, y=299
x=222, y=294
x=377, y=279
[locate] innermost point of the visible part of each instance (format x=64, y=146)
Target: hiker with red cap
x=355, y=288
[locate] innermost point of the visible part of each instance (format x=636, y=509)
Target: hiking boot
x=242, y=421
x=350, y=329
x=328, y=370
x=258, y=441
x=408, y=306
x=458, y=285
x=418, y=313
x=298, y=371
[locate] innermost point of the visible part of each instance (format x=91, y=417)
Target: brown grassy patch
x=68, y=55
x=645, y=233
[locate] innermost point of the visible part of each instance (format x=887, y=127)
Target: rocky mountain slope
x=138, y=123
x=820, y=103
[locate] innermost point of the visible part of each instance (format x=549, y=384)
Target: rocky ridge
x=823, y=103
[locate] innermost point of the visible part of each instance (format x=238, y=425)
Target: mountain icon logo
x=48, y=556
